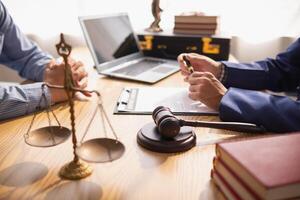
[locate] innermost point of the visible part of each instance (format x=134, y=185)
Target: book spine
x=195, y=26
x=232, y=179
x=195, y=32
x=227, y=191
x=196, y=19
x=235, y=164
x=217, y=150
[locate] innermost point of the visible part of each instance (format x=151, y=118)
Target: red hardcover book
x=196, y=19
x=235, y=182
x=224, y=187
x=270, y=166
x=195, y=31
x=195, y=26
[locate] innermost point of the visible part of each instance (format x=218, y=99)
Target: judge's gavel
x=169, y=125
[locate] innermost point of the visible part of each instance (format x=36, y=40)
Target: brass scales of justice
x=97, y=150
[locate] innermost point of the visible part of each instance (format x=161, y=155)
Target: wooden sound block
x=149, y=138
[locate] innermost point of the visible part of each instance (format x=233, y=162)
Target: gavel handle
x=232, y=126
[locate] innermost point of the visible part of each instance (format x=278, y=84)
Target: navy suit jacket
x=244, y=102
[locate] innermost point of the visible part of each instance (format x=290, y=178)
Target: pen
x=188, y=64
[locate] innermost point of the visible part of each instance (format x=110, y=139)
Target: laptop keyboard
x=138, y=68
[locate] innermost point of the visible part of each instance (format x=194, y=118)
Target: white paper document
x=144, y=100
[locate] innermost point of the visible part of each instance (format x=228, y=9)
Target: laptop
x=116, y=53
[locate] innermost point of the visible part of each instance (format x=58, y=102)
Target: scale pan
x=48, y=136
x=100, y=150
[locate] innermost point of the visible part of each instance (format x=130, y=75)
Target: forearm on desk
x=275, y=113
x=17, y=100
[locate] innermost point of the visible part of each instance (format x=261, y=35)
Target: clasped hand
x=54, y=75
x=204, y=84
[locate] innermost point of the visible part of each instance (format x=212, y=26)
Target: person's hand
x=206, y=88
x=200, y=63
x=54, y=75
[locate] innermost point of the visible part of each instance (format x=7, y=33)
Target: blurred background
x=259, y=28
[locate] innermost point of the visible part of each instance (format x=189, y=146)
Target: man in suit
x=234, y=89
x=19, y=53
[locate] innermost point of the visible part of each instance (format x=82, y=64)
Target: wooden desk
x=32, y=173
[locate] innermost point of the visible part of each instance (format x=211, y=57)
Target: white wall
x=255, y=24
x=256, y=20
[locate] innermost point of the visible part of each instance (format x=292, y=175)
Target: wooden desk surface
x=32, y=173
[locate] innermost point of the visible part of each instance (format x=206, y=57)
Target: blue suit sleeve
x=274, y=113
x=279, y=74
x=18, y=52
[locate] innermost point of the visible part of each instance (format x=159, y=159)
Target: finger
x=77, y=65
x=80, y=73
x=186, y=79
x=83, y=83
x=198, y=80
x=182, y=64
x=183, y=68
x=185, y=73
x=195, y=88
x=195, y=96
x=195, y=75
x=203, y=74
x=180, y=57
x=195, y=56
x=197, y=59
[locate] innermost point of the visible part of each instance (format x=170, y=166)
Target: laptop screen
x=110, y=37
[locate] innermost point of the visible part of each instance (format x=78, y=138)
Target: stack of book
x=263, y=168
x=195, y=23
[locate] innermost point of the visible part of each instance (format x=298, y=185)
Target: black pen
x=188, y=64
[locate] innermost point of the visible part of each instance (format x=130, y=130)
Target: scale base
x=75, y=170
x=149, y=138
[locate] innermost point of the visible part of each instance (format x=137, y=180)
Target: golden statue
x=156, y=12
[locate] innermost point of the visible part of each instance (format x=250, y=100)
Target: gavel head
x=167, y=124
